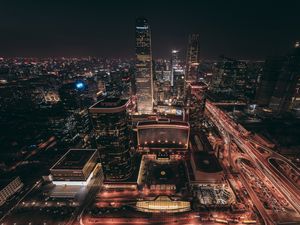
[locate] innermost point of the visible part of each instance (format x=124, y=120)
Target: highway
x=244, y=141
x=20, y=200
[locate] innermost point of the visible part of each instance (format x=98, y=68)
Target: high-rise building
x=144, y=76
x=178, y=87
x=229, y=77
x=110, y=121
x=294, y=104
x=175, y=64
x=193, y=57
x=196, y=98
x=286, y=94
x=267, y=82
x=177, y=76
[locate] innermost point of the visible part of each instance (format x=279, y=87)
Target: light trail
x=242, y=138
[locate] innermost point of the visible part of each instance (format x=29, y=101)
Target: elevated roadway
x=243, y=139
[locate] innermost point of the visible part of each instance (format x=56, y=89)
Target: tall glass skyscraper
x=144, y=76
x=174, y=63
x=286, y=95
x=111, y=129
x=193, y=57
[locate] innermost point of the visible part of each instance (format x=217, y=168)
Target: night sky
x=242, y=29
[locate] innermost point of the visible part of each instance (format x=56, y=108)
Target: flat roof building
x=163, y=134
x=75, y=167
x=8, y=188
x=206, y=168
x=110, y=105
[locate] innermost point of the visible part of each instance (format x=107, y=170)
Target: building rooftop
x=5, y=182
x=206, y=162
x=74, y=159
x=110, y=105
x=157, y=134
x=163, y=122
x=198, y=84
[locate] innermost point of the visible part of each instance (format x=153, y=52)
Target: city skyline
x=194, y=137
x=246, y=31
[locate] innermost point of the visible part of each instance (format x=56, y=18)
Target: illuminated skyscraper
x=110, y=122
x=193, y=57
x=177, y=76
x=143, y=79
x=174, y=63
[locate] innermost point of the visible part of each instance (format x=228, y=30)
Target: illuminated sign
x=142, y=28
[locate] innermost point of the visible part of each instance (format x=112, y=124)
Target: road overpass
x=244, y=140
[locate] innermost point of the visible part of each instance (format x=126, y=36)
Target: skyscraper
x=267, y=82
x=193, y=57
x=177, y=77
x=110, y=122
x=144, y=76
x=229, y=76
x=286, y=95
x=295, y=97
x=196, y=98
x=174, y=63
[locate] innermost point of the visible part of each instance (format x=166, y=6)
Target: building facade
x=75, y=167
x=9, y=188
x=196, y=98
x=286, y=95
x=193, y=57
x=144, y=74
x=110, y=121
x=267, y=82
x=174, y=63
x=163, y=134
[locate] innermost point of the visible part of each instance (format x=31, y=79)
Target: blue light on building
x=79, y=85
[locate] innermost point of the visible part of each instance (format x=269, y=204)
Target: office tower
x=111, y=129
x=175, y=64
x=196, y=98
x=178, y=87
x=229, y=76
x=294, y=104
x=193, y=57
x=286, y=94
x=267, y=82
x=177, y=76
x=143, y=79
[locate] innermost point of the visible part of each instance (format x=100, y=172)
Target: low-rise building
x=8, y=188
x=76, y=167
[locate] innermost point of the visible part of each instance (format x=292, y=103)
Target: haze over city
x=242, y=29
